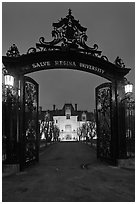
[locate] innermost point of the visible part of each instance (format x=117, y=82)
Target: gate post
x=114, y=125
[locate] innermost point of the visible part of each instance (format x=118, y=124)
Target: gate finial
x=13, y=51
x=119, y=62
x=70, y=12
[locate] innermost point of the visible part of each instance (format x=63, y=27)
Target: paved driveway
x=70, y=172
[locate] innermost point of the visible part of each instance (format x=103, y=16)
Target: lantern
x=9, y=80
x=128, y=88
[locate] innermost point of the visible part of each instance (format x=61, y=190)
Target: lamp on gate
x=9, y=81
x=128, y=88
x=11, y=91
x=99, y=106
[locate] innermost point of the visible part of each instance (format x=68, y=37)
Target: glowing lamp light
x=128, y=88
x=9, y=80
x=99, y=106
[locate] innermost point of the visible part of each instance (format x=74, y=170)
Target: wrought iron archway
x=68, y=49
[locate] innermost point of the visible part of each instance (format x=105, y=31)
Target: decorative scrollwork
x=30, y=96
x=13, y=51
x=119, y=62
x=104, y=58
x=104, y=121
x=30, y=121
x=68, y=34
x=31, y=50
x=95, y=47
x=4, y=71
x=42, y=40
x=103, y=98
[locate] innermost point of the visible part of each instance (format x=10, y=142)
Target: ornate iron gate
x=104, y=122
x=30, y=121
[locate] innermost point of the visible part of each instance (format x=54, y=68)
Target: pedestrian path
x=70, y=172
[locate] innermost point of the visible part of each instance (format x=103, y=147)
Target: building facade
x=69, y=120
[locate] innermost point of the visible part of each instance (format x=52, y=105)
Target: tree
x=56, y=132
x=88, y=131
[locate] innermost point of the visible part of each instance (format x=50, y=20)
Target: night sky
x=110, y=25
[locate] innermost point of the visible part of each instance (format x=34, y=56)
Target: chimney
x=54, y=106
x=75, y=107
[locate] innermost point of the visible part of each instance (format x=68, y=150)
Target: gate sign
x=68, y=64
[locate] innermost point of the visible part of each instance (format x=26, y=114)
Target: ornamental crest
x=67, y=34
x=70, y=32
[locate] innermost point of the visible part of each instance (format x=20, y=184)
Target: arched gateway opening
x=67, y=50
